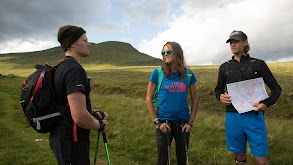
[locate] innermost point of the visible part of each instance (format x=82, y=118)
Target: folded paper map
x=245, y=93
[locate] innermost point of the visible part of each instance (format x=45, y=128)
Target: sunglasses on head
x=167, y=52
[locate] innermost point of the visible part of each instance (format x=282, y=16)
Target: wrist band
x=156, y=121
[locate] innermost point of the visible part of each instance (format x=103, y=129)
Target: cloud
x=40, y=20
x=203, y=29
x=154, y=11
x=103, y=20
x=34, y=17
x=19, y=45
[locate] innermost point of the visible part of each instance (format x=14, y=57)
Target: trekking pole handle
x=101, y=112
x=183, y=124
x=102, y=126
x=167, y=122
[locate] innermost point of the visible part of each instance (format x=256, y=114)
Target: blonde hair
x=246, y=48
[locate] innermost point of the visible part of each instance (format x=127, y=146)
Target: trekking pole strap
x=38, y=119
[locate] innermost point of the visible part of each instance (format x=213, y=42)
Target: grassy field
x=120, y=91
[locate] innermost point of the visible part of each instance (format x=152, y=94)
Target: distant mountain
x=120, y=54
x=111, y=52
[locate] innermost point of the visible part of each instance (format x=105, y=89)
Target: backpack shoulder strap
x=160, y=79
x=253, y=62
x=189, y=74
x=227, y=67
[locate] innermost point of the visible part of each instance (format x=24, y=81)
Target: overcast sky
x=201, y=27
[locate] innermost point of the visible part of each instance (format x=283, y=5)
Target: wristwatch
x=156, y=121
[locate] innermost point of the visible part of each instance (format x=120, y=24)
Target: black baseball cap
x=237, y=35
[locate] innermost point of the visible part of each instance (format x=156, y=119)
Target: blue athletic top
x=173, y=104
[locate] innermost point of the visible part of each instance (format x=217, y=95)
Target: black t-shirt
x=247, y=68
x=70, y=77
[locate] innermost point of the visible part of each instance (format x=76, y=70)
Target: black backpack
x=253, y=67
x=38, y=101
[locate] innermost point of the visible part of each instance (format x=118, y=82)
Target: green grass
x=120, y=91
x=119, y=88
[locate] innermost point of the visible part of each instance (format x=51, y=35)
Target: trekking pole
x=186, y=147
x=101, y=125
x=106, y=147
x=168, y=140
x=97, y=146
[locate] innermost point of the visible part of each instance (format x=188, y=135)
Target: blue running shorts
x=244, y=127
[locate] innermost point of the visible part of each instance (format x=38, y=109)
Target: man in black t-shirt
x=70, y=139
x=250, y=126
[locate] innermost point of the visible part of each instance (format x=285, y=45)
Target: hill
x=109, y=53
x=119, y=54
